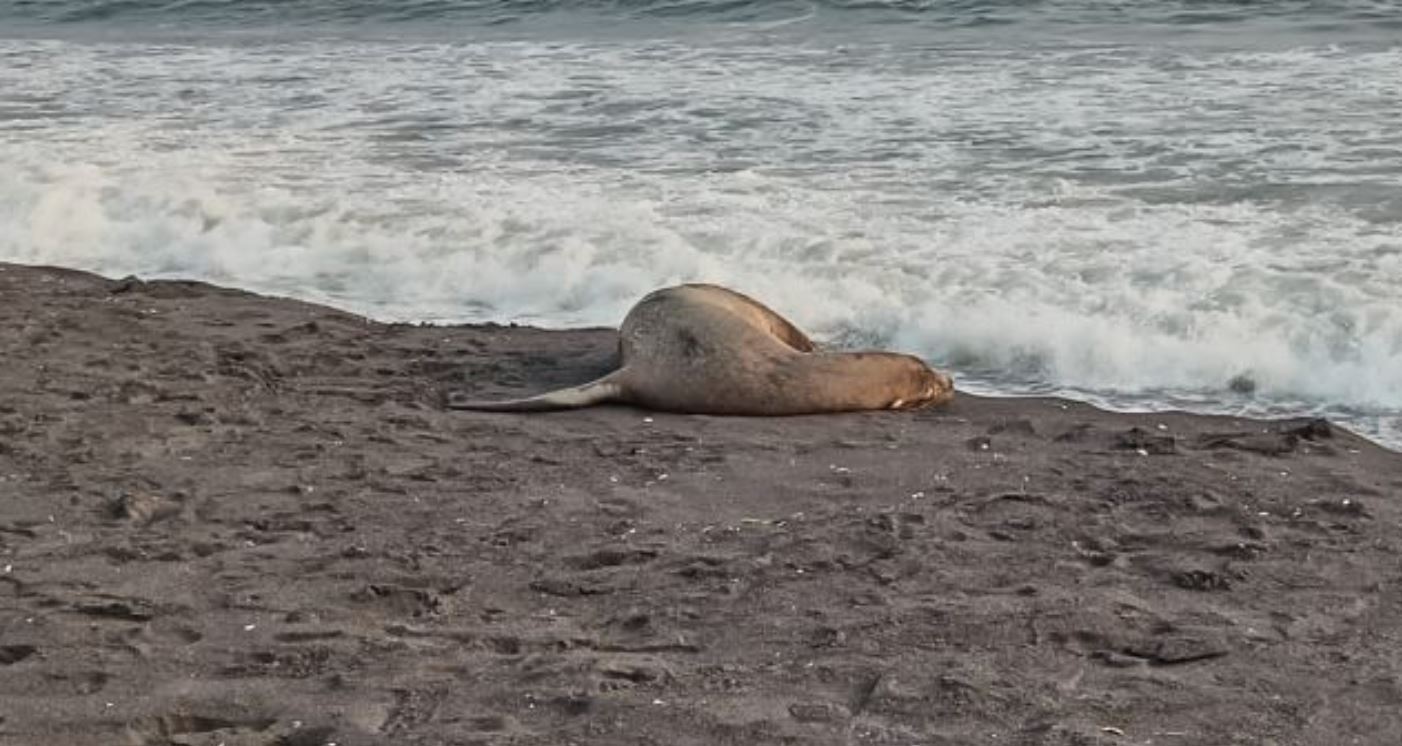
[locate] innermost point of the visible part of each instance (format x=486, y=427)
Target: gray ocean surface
x=1182, y=204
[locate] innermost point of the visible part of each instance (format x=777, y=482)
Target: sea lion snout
x=944, y=389
x=938, y=389
x=944, y=383
x=918, y=385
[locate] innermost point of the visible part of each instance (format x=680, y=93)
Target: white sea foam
x=1085, y=221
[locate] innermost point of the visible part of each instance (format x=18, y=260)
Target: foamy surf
x=1142, y=229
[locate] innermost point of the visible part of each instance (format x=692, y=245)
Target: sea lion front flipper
x=606, y=389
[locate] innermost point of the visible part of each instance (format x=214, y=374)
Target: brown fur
x=704, y=349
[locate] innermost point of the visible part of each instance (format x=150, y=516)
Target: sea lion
x=705, y=349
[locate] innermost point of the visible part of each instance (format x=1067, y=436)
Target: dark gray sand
x=230, y=519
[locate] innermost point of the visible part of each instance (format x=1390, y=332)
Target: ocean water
x=1180, y=203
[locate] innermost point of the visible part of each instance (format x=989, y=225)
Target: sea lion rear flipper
x=604, y=390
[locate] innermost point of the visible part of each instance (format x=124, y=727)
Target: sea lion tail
x=604, y=390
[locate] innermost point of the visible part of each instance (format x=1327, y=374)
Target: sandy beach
x=232, y=519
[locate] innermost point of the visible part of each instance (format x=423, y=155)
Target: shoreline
x=233, y=518
x=1099, y=402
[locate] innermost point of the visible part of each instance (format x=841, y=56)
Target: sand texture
x=230, y=519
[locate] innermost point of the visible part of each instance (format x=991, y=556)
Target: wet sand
x=231, y=519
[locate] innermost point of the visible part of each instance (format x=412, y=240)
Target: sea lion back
x=700, y=348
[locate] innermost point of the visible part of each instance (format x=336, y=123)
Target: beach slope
x=232, y=519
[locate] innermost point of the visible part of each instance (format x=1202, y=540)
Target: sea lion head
x=931, y=389
x=920, y=385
